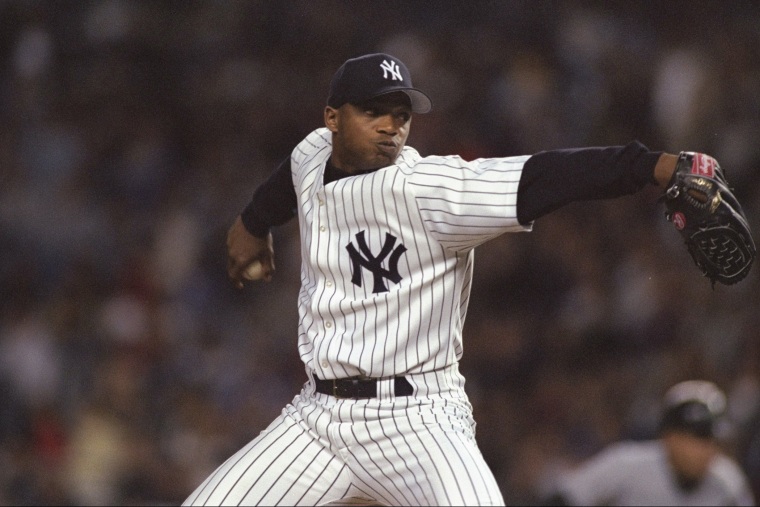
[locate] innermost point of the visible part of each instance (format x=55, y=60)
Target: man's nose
x=387, y=124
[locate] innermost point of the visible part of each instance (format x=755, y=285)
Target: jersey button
x=325, y=364
x=322, y=228
x=329, y=283
x=321, y=202
x=328, y=325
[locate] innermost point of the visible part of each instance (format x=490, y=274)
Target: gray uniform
x=638, y=473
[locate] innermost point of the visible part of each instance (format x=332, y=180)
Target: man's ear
x=331, y=119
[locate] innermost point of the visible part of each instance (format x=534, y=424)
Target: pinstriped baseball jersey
x=386, y=271
x=387, y=257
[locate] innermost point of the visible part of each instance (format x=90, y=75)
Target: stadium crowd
x=134, y=132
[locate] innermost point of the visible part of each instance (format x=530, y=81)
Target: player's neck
x=333, y=173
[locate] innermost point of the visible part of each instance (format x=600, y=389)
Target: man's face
x=689, y=455
x=369, y=135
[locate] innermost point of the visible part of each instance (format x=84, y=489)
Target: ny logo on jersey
x=393, y=68
x=374, y=263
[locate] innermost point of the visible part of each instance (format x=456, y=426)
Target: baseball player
x=387, y=239
x=684, y=466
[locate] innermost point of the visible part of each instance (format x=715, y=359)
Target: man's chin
x=386, y=158
x=688, y=482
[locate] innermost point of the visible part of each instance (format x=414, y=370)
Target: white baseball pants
x=406, y=450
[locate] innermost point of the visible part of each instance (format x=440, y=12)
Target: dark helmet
x=694, y=407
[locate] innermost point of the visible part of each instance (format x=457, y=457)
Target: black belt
x=360, y=387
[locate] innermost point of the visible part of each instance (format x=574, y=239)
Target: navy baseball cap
x=694, y=406
x=368, y=76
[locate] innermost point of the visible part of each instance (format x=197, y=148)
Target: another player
x=387, y=239
x=684, y=466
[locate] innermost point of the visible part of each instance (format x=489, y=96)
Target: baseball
x=254, y=272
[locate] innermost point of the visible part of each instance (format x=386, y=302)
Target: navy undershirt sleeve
x=273, y=203
x=552, y=179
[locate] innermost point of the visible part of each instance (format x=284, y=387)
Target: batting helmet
x=694, y=407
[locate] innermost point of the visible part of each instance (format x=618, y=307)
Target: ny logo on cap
x=393, y=68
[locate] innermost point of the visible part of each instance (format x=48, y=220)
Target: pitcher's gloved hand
x=711, y=221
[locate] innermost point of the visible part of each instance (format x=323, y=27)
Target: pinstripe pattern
x=417, y=450
x=387, y=260
x=439, y=208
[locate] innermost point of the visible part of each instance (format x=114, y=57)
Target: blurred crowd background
x=132, y=133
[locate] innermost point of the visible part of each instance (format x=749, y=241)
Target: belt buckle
x=341, y=390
